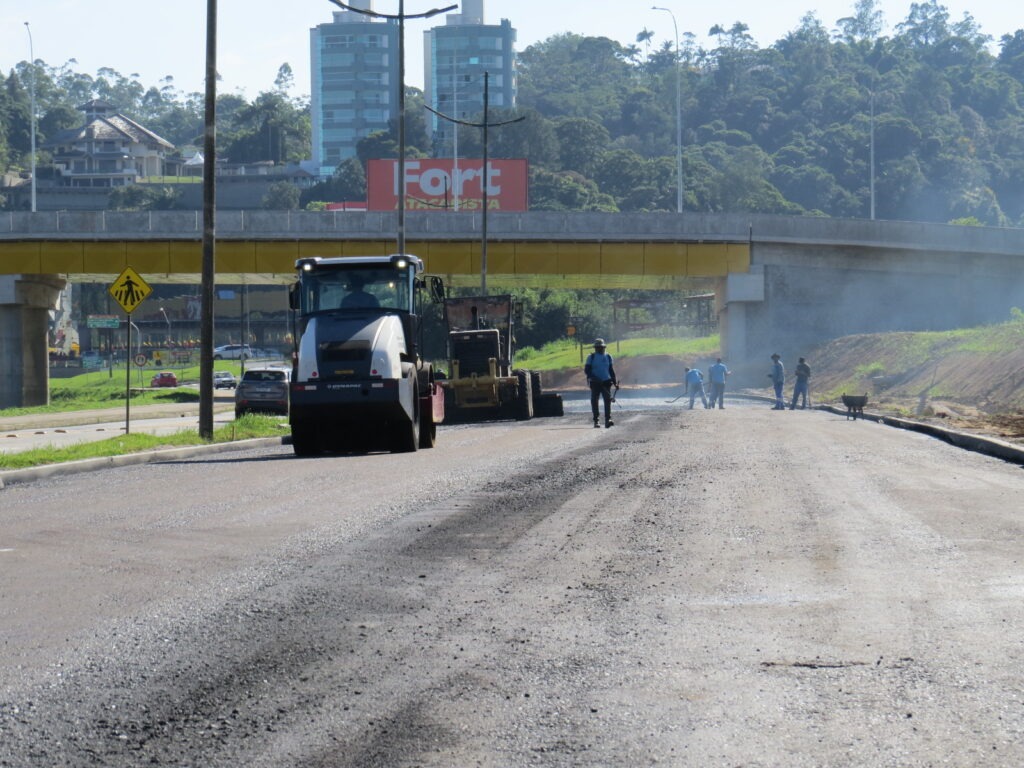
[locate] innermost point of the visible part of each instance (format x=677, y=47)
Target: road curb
x=44, y=471
x=989, y=446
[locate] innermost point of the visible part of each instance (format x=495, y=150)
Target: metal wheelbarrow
x=854, y=405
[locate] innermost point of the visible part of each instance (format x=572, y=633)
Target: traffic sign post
x=128, y=381
x=129, y=290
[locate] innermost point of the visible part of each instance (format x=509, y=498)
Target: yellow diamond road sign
x=129, y=290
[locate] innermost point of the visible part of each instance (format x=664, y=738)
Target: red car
x=164, y=379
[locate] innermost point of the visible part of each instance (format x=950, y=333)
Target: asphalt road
x=737, y=587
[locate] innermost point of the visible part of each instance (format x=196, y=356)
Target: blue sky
x=256, y=36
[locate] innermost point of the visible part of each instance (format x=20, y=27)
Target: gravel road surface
x=693, y=588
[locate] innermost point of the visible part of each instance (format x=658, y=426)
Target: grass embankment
x=560, y=355
x=243, y=428
x=98, y=390
x=983, y=366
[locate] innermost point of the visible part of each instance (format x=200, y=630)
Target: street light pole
x=872, y=163
x=679, y=116
x=32, y=107
x=401, y=17
x=168, y=321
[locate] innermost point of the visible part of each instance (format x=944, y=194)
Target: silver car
x=263, y=390
x=232, y=352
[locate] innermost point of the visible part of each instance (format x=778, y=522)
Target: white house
x=110, y=150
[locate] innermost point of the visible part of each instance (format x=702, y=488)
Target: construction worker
x=600, y=372
x=800, y=388
x=695, y=386
x=717, y=374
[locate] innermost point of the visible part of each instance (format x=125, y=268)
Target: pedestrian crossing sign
x=129, y=290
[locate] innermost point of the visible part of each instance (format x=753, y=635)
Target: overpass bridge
x=781, y=283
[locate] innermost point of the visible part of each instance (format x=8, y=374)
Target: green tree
x=347, y=184
x=865, y=23
x=573, y=76
x=281, y=196
x=270, y=129
x=566, y=191
x=143, y=197
x=581, y=143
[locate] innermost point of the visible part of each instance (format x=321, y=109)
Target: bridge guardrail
x=536, y=225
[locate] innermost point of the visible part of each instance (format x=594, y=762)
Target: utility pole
x=400, y=17
x=485, y=176
x=209, y=228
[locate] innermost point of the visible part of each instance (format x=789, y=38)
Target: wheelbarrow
x=854, y=405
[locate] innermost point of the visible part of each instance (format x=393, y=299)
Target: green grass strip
x=244, y=428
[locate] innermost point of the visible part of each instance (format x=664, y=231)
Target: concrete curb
x=989, y=446
x=147, y=457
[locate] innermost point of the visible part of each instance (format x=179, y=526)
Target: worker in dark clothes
x=600, y=372
x=800, y=388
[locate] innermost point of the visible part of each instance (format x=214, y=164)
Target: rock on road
x=706, y=588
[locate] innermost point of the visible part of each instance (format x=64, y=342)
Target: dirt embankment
x=976, y=387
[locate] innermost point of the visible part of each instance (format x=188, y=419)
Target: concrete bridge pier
x=734, y=296
x=25, y=304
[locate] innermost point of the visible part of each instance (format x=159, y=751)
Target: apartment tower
x=456, y=56
x=355, y=82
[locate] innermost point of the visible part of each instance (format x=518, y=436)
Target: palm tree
x=645, y=38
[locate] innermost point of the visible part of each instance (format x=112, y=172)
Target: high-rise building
x=456, y=56
x=355, y=82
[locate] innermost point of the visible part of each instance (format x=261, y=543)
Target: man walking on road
x=778, y=377
x=717, y=374
x=695, y=386
x=803, y=374
x=600, y=372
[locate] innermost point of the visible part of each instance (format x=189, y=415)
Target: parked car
x=232, y=352
x=267, y=354
x=164, y=379
x=263, y=390
x=224, y=380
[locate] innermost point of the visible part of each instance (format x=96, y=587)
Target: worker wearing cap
x=600, y=372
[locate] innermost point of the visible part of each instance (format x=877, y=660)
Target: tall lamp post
x=168, y=321
x=32, y=107
x=400, y=17
x=679, y=116
x=872, y=158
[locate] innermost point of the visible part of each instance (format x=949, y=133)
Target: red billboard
x=441, y=184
